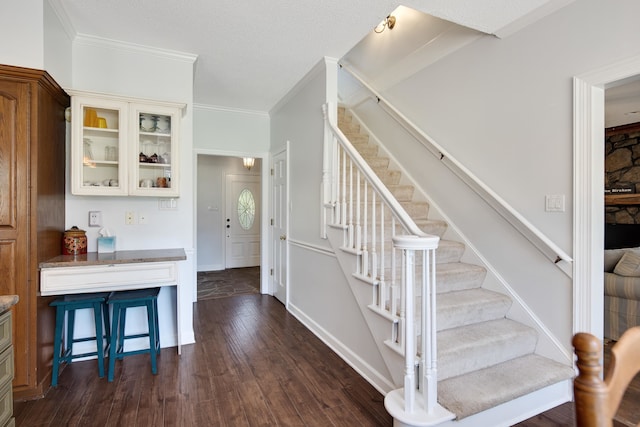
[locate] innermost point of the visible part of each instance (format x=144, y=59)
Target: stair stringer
x=380, y=326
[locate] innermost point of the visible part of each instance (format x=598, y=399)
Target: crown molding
x=90, y=40
x=230, y=110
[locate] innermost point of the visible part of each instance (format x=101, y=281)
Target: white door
x=280, y=221
x=242, y=223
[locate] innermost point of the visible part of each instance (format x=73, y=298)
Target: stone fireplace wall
x=622, y=172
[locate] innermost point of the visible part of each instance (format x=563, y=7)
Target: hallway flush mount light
x=248, y=162
x=389, y=22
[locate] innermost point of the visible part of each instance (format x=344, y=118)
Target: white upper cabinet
x=122, y=146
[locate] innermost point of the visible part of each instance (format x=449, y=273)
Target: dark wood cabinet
x=32, y=192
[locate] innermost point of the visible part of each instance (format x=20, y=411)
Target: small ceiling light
x=389, y=22
x=248, y=162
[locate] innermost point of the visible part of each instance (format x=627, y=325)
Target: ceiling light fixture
x=389, y=21
x=248, y=162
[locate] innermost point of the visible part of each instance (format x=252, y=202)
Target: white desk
x=118, y=271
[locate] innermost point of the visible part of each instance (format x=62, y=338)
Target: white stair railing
x=386, y=241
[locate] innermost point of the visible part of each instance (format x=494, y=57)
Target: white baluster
x=409, y=334
x=374, y=242
x=343, y=208
x=429, y=339
x=358, y=230
x=365, y=251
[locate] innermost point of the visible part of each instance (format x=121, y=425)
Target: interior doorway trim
x=588, y=191
x=264, y=215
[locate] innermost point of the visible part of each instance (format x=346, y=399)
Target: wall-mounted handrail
x=550, y=250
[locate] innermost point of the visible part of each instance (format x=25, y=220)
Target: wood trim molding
x=631, y=127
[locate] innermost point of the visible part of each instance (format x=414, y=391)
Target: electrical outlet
x=143, y=218
x=95, y=218
x=130, y=218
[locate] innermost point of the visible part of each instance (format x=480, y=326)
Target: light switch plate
x=554, y=203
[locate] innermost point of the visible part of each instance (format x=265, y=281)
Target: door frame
x=588, y=193
x=264, y=215
x=272, y=285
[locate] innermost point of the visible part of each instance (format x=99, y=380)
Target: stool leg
x=57, y=344
x=155, y=316
x=107, y=326
x=121, y=328
x=112, y=341
x=68, y=340
x=97, y=315
x=152, y=336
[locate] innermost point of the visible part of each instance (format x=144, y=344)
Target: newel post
x=406, y=409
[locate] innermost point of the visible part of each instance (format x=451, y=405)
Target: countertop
x=7, y=301
x=118, y=257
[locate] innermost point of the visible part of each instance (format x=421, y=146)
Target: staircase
x=488, y=372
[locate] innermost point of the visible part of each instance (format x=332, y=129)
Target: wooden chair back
x=597, y=401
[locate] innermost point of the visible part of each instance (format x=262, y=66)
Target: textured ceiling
x=250, y=53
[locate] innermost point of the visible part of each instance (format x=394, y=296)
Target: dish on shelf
x=148, y=122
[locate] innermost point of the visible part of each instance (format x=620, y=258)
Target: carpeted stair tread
x=459, y=308
x=449, y=251
x=480, y=345
x=402, y=192
x=379, y=162
x=477, y=391
x=457, y=276
x=388, y=176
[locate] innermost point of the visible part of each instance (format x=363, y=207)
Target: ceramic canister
x=74, y=242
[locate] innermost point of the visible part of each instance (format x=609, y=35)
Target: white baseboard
x=210, y=267
x=382, y=384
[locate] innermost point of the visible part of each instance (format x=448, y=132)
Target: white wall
x=233, y=131
x=58, y=46
x=503, y=108
x=22, y=33
x=130, y=71
x=33, y=36
x=211, y=206
x=319, y=294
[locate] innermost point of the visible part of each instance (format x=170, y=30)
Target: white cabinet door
x=98, y=160
x=153, y=151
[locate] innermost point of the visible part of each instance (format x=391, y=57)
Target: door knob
x=283, y=237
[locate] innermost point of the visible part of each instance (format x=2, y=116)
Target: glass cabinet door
x=98, y=161
x=154, y=151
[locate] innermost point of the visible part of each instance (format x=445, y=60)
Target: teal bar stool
x=68, y=304
x=119, y=302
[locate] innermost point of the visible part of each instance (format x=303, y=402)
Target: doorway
x=589, y=113
x=211, y=210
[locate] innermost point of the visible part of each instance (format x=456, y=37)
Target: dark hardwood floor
x=253, y=364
